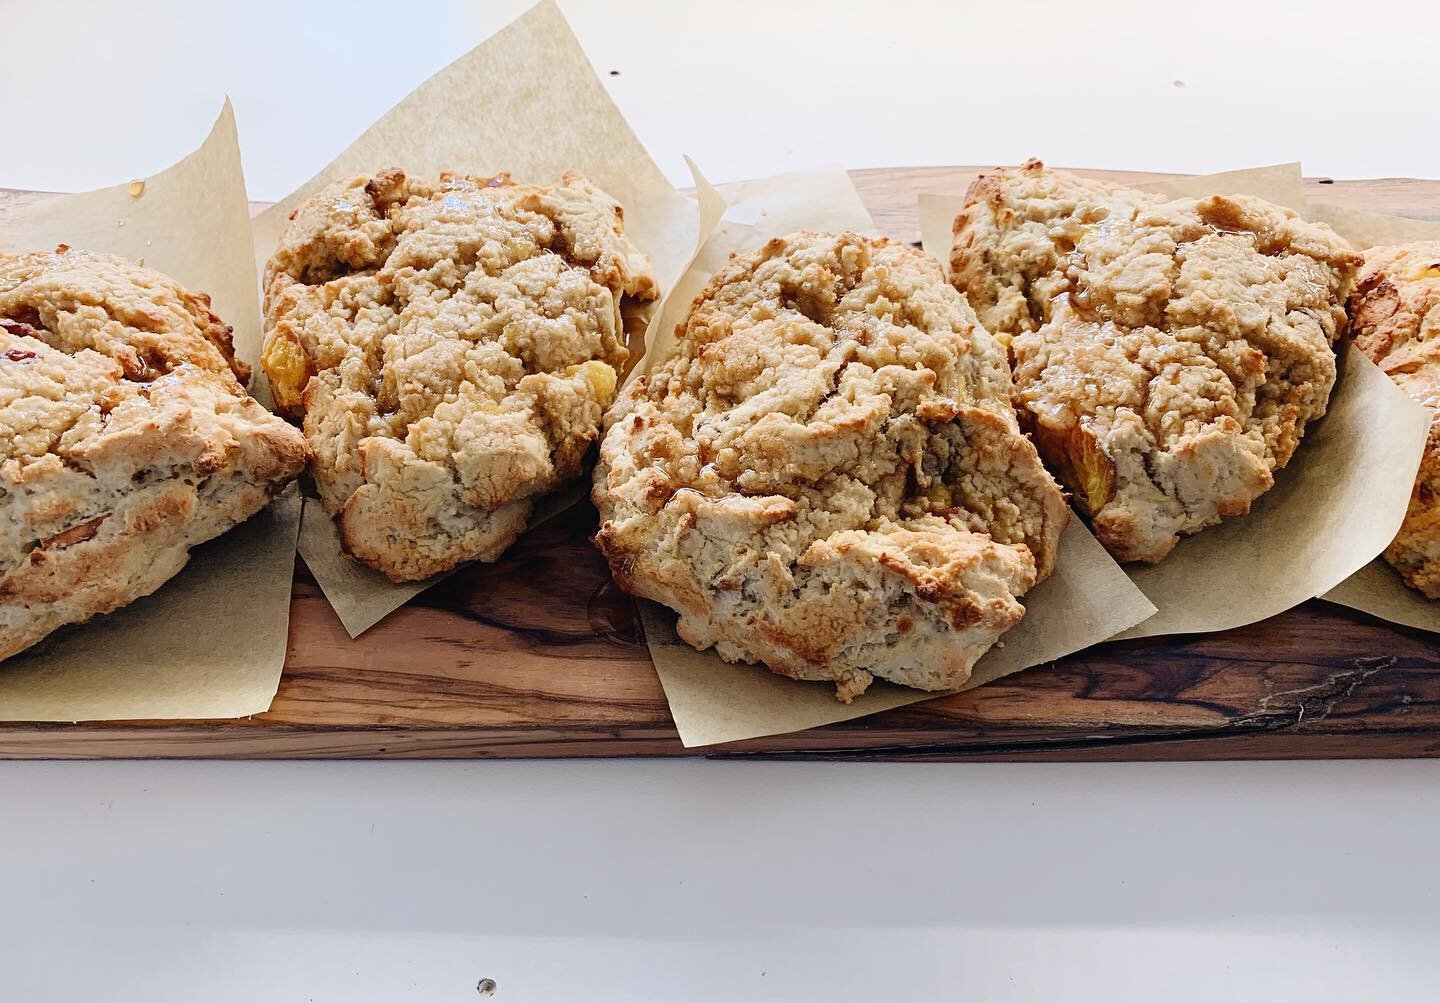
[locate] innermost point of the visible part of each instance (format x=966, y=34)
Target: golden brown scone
x=1168, y=353
x=829, y=477
x=451, y=347
x=125, y=438
x=1395, y=315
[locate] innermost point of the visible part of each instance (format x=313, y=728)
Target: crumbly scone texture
x=451, y=347
x=828, y=476
x=1168, y=353
x=1395, y=316
x=125, y=438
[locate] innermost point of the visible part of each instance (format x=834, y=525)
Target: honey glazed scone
x=126, y=437
x=1168, y=352
x=828, y=477
x=450, y=346
x=1395, y=315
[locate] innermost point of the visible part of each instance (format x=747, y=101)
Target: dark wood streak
x=538, y=655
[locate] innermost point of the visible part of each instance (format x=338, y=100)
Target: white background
x=97, y=91
x=603, y=881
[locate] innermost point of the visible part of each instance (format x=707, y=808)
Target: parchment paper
x=1377, y=588
x=1282, y=184
x=211, y=642
x=191, y=221
x=1336, y=505
x=526, y=101
x=1086, y=600
x=1372, y=229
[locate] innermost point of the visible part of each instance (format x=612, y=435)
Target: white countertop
x=615, y=880
x=697, y=881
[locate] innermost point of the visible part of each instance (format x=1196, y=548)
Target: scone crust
x=450, y=347
x=1168, y=353
x=829, y=477
x=126, y=437
x=1395, y=316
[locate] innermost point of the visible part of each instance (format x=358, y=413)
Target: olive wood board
x=539, y=655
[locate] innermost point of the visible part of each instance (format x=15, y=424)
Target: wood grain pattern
x=540, y=655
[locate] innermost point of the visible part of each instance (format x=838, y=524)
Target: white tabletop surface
x=701, y=881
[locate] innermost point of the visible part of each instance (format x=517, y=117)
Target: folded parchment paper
x=1086, y=600
x=1377, y=588
x=1336, y=505
x=210, y=642
x=526, y=101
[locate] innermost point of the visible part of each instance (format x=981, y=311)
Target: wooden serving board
x=540, y=655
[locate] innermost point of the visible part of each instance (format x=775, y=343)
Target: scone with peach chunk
x=450, y=347
x=1396, y=316
x=1168, y=353
x=828, y=476
x=126, y=437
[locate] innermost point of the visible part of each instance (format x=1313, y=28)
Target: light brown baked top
x=125, y=437
x=451, y=346
x=1168, y=353
x=828, y=477
x=1395, y=314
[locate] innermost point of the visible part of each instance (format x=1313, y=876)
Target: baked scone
x=125, y=437
x=451, y=346
x=1395, y=315
x=1168, y=352
x=828, y=477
